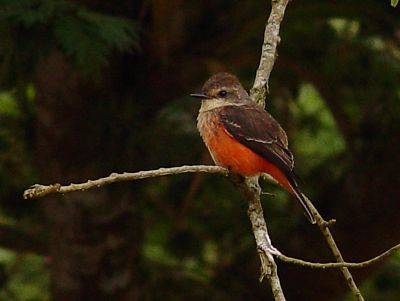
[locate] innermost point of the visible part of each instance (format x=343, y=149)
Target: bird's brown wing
x=258, y=130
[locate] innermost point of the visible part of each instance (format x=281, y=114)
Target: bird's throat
x=214, y=103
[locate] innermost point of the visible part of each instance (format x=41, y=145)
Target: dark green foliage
x=90, y=37
x=86, y=36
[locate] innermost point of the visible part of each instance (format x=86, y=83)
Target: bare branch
x=324, y=227
x=268, y=53
x=335, y=265
x=37, y=190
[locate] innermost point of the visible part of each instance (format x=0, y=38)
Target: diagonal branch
x=324, y=227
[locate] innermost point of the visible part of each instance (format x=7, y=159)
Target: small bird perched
x=244, y=138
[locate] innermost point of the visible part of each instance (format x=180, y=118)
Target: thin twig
x=37, y=190
x=335, y=265
x=324, y=227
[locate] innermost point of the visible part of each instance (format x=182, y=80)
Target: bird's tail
x=287, y=180
x=301, y=198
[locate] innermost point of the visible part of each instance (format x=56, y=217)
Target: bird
x=243, y=137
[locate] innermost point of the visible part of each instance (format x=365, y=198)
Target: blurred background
x=90, y=87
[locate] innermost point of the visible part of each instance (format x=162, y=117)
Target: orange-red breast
x=242, y=136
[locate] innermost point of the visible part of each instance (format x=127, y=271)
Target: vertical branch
x=251, y=191
x=268, y=53
x=250, y=187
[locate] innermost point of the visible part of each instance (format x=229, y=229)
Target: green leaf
x=394, y=2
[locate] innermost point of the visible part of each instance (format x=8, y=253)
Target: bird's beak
x=199, y=95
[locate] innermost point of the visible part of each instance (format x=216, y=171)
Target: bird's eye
x=222, y=93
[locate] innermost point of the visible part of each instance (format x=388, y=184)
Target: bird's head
x=223, y=88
